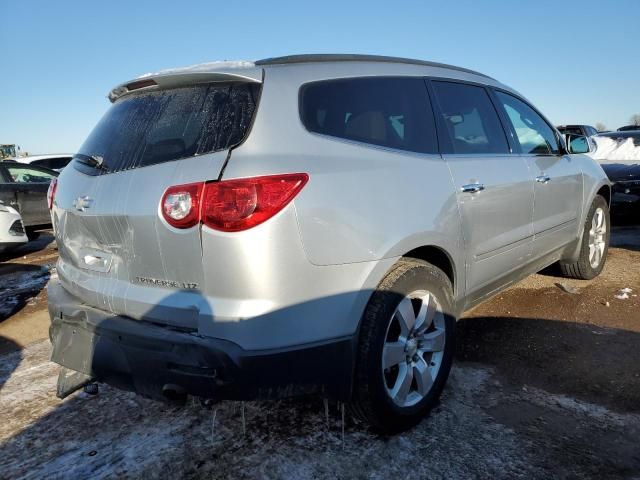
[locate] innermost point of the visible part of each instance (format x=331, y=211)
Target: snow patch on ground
x=118, y=434
x=581, y=409
x=19, y=286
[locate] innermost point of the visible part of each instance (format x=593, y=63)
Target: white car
x=53, y=161
x=12, y=233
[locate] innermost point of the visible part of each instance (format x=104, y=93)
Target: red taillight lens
x=233, y=205
x=51, y=192
x=230, y=205
x=181, y=205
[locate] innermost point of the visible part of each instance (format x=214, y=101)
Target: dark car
x=24, y=187
x=629, y=128
x=624, y=174
x=586, y=131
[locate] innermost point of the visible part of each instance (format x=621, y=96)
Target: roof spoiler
x=183, y=77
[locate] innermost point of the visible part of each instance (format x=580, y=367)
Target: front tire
x=595, y=243
x=405, y=348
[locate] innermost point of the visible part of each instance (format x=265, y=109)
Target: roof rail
x=339, y=57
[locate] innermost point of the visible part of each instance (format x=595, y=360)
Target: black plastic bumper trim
x=144, y=357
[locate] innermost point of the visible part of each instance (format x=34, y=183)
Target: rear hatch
x=117, y=253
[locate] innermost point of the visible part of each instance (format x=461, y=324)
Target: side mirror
x=577, y=144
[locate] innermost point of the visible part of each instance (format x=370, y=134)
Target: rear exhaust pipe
x=174, y=394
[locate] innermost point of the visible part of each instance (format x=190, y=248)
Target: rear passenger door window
x=390, y=112
x=25, y=174
x=468, y=119
x=533, y=133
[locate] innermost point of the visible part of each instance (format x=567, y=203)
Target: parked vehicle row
x=307, y=224
x=24, y=188
x=622, y=166
x=620, y=160
x=54, y=162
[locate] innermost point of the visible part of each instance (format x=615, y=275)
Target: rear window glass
x=52, y=162
x=165, y=125
x=390, y=112
x=570, y=130
x=469, y=119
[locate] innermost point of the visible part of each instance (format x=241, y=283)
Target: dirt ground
x=546, y=385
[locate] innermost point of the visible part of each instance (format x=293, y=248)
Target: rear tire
x=595, y=243
x=405, y=348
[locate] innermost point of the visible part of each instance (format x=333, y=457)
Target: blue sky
x=577, y=61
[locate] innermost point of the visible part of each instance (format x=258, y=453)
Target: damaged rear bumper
x=160, y=362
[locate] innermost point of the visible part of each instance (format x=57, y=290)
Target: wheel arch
x=438, y=257
x=431, y=253
x=605, y=192
x=602, y=188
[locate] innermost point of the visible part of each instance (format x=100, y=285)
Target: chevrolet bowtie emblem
x=82, y=203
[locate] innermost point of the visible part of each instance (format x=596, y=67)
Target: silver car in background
x=309, y=224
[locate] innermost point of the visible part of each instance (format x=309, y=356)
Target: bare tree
x=635, y=119
x=601, y=127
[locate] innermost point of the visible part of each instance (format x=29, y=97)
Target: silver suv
x=307, y=225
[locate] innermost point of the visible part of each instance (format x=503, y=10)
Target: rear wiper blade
x=96, y=161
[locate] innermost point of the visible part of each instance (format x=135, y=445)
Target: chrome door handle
x=543, y=179
x=472, y=188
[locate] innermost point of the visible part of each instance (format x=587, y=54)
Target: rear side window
x=469, y=119
x=25, y=174
x=390, y=112
x=534, y=134
x=165, y=125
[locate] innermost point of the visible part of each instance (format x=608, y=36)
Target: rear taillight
x=234, y=205
x=231, y=205
x=181, y=205
x=51, y=192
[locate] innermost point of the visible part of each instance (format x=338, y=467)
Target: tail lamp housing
x=230, y=205
x=51, y=192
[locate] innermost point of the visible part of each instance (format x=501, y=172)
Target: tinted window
x=55, y=163
x=570, y=130
x=534, y=134
x=24, y=174
x=391, y=112
x=155, y=127
x=469, y=119
x=42, y=163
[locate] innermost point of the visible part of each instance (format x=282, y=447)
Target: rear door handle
x=472, y=188
x=543, y=179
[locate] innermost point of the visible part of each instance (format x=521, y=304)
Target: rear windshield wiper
x=95, y=161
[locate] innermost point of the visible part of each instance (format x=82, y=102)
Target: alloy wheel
x=597, y=237
x=413, y=348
